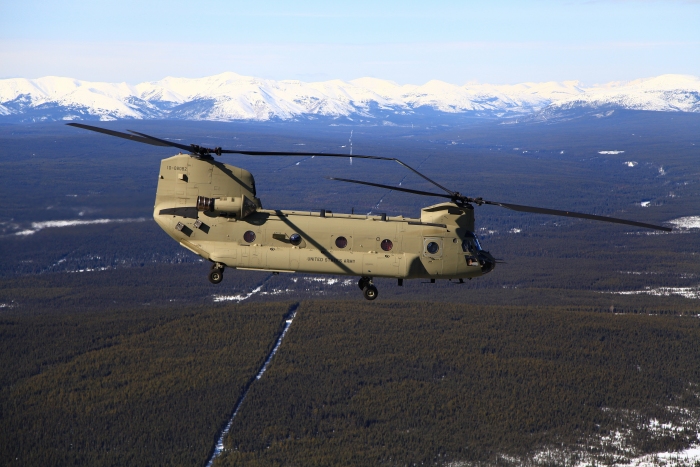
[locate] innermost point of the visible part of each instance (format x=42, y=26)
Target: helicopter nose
x=488, y=266
x=488, y=262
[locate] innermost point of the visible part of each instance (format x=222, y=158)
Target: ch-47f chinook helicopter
x=211, y=209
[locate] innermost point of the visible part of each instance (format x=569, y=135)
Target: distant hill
x=229, y=97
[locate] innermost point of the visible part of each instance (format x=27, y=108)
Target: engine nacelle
x=238, y=207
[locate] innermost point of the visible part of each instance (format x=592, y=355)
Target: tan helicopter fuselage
x=234, y=231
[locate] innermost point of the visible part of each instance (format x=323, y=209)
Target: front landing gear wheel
x=370, y=292
x=216, y=276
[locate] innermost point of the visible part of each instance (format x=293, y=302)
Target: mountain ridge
x=229, y=96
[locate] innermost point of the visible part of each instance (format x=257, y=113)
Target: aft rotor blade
x=118, y=134
x=555, y=212
x=379, y=185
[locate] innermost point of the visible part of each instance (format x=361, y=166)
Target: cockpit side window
x=470, y=244
x=252, y=182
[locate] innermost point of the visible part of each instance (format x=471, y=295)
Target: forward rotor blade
x=379, y=185
x=118, y=134
x=555, y=212
x=164, y=142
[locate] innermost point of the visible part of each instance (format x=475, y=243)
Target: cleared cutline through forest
x=219, y=446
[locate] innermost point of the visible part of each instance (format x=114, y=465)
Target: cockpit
x=475, y=255
x=471, y=244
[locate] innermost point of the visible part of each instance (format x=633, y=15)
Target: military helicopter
x=211, y=209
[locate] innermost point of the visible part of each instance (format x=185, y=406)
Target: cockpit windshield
x=470, y=244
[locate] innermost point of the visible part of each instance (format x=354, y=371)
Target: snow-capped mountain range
x=229, y=96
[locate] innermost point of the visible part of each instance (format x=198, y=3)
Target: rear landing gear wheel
x=216, y=275
x=364, y=282
x=370, y=292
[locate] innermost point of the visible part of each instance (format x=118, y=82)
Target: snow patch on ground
x=328, y=280
x=610, y=152
x=321, y=280
x=631, y=163
x=90, y=269
x=692, y=222
x=276, y=292
x=618, y=448
x=37, y=226
x=237, y=298
x=687, y=457
x=687, y=292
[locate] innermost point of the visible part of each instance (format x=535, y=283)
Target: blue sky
x=502, y=42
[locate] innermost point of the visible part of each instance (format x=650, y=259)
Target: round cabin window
x=387, y=245
x=295, y=239
x=249, y=236
x=432, y=248
x=341, y=242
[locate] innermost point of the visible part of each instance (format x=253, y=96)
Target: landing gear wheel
x=216, y=275
x=370, y=292
x=364, y=282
